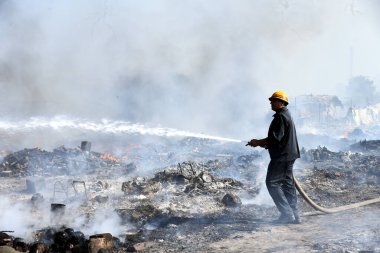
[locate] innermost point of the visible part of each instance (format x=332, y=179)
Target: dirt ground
x=356, y=230
x=351, y=231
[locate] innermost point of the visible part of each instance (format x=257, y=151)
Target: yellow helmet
x=281, y=95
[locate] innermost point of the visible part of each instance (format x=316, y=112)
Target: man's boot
x=285, y=219
x=297, y=218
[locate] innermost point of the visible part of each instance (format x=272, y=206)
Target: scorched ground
x=189, y=195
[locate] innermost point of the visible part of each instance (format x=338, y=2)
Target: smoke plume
x=204, y=66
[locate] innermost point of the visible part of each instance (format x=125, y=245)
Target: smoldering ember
x=75, y=199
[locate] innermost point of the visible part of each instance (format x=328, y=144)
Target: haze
x=205, y=66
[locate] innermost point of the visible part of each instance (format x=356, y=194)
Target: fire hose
x=334, y=209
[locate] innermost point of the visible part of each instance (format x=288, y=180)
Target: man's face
x=276, y=104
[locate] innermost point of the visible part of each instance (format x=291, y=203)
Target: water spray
x=103, y=126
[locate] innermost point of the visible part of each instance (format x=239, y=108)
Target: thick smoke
x=205, y=66
x=14, y=217
x=19, y=217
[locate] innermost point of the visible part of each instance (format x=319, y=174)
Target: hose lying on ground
x=334, y=209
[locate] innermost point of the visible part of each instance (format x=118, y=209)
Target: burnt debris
x=340, y=178
x=61, y=161
x=62, y=240
x=183, y=206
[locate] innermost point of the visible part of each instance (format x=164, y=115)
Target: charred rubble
x=179, y=185
x=61, y=161
x=339, y=178
x=187, y=184
x=197, y=200
x=61, y=240
x=367, y=146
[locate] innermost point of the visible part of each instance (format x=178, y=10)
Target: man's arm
x=277, y=129
x=258, y=143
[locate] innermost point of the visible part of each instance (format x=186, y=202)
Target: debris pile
x=61, y=161
x=323, y=154
x=175, y=194
x=61, y=240
x=370, y=146
x=340, y=178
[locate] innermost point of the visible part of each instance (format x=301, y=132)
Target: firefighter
x=282, y=145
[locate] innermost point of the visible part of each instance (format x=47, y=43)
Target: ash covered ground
x=182, y=195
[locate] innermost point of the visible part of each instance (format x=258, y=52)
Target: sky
x=204, y=66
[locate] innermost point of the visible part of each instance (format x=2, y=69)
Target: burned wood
x=100, y=242
x=5, y=239
x=85, y=146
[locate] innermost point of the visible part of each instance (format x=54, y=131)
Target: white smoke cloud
x=12, y=217
x=105, y=221
x=21, y=218
x=205, y=66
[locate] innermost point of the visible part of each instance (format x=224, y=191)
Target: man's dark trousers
x=281, y=186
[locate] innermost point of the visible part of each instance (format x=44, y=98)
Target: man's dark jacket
x=282, y=141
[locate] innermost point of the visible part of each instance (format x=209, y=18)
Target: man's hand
x=253, y=143
x=257, y=143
